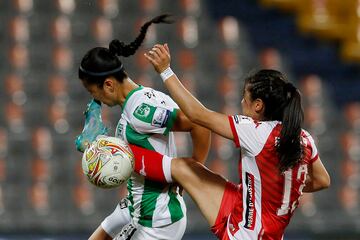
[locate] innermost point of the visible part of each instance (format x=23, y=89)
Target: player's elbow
x=323, y=182
x=326, y=182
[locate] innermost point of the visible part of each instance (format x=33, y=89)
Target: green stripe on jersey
x=141, y=140
x=130, y=197
x=152, y=190
x=175, y=207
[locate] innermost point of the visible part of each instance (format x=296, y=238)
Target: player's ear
x=109, y=85
x=259, y=105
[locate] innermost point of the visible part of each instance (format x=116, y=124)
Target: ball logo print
x=108, y=162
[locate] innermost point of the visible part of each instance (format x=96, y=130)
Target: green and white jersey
x=146, y=120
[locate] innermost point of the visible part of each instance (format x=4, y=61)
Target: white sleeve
x=250, y=135
x=314, y=150
x=147, y=117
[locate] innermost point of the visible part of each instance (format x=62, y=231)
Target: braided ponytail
x=100, y=63
x=119, y=48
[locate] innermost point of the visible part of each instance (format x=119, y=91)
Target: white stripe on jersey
x=249, y=166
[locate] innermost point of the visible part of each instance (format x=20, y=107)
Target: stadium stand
x=214, y=45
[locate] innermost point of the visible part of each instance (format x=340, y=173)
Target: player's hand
x=159, y=57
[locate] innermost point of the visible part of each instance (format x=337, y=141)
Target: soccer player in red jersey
x=279, y=159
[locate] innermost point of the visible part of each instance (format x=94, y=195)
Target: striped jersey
x=269, y=198
x=146, y=120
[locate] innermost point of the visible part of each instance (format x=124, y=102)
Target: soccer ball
x=108, y=162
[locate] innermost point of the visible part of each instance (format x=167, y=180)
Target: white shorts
x=119, y=224
x=113, y=223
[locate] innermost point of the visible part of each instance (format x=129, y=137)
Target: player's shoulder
x=242, y=119
x=307, y=139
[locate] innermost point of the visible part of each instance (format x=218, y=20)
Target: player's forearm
x=315, y=185
x=192, y=108
x=201, y=138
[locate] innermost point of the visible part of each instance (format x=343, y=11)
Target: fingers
x=159, y=57
x=167, y=47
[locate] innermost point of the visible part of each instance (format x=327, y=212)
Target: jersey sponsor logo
x=160, y=118
x=119, y=130
x=126, y=232
x=123, y=203
x=250, y=214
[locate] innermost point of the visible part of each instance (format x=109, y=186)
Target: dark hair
x=100, y=63
x=283, y=103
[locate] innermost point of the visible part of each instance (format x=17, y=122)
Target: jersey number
x=301, y=175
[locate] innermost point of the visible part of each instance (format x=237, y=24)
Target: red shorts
x=231, y=203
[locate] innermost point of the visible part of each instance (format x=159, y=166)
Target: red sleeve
x=148, y=163
x=314, y=159
x=233, y=129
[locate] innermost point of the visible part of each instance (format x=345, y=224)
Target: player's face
x=251, y=108
x=246, y=103
x=103, y=94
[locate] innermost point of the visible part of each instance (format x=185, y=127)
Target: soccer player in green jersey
x=151, y=210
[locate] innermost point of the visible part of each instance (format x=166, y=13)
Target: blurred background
x=214, y=45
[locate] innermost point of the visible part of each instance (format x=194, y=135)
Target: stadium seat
x=102, y=31
x=109, y=8
x=19, y=29
x=352, y=115
x=58, y=88
x=4, y=145
x=191, y=7
x=62, y=59
x=229, y=31
x=42, y=142
x=189, y=32
x=18, y=57
x=23, y=7
x=66, y=7
x=14, y=88
x=61, y=29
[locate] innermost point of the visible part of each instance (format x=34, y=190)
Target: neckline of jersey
x=130, y=94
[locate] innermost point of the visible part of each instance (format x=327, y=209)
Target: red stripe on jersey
x=272, y=185
x=235, y=135
x=314, y=158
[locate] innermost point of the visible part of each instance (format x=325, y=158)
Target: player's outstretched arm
x=159, y=57
x=93, y=126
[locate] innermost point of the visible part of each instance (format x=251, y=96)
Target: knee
x=183, y=168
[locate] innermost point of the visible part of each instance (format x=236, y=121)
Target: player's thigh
x=173, y=231
x=114, y=223
x=205, y=187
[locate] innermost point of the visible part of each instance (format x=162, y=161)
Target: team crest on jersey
x=144, y=112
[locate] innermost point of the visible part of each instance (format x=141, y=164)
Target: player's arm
x=159, y=57
x=318, y=178
x=200, y=136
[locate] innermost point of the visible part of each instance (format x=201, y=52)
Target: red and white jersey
x=268, y=197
